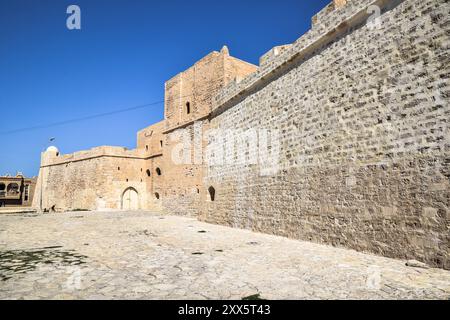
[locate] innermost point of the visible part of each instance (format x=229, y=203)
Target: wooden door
x=130, y=200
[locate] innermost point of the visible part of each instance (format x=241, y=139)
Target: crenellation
x=311, y=41
x=97, y=152
x=273, y=54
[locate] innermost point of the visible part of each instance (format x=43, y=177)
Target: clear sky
x=121, y=57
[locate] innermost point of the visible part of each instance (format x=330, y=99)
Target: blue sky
x=120, y=58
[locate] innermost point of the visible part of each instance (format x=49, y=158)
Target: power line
x=60, y=123
x=95, y=116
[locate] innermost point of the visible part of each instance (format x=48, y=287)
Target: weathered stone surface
x=140, y=255
x=364, y=136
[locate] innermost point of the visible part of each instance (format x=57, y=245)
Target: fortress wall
x=333, y=20
x=149, y=139
x=90, y=181
x=131, y=175
x=183, y=170
x=180, y=185
x=363, y=136
x=183, y=192
x=196, y=86
x=237, y=70
x=158, y=182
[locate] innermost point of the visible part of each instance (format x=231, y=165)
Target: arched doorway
x=130, y=200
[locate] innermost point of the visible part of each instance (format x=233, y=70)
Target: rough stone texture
x=139, y=255
x=361, y=108
x=151, y=141
x=183, y=189
x=364, y=141
x=90, y=180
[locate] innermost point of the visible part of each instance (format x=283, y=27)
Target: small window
x=146, y=148
x=118, y=168
x=27, y=192
x=157, y=196
x=148, y=173
x=188, y=107
x=158, y=171
x=212, y=193
x=161, y=143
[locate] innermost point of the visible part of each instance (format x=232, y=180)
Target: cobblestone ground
x=142, y=255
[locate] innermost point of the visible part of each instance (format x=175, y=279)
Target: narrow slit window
x=188, y=107
x=212, y=193
x=27, y=193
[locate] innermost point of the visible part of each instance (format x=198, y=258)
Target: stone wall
x=341, y=138
x=150, y=140
x=362, y=115
x=89, y=180
x=181, y=184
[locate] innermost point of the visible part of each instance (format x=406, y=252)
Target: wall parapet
x=329, y=25
x=273, y=54
x=323, y=15
x=98, y=152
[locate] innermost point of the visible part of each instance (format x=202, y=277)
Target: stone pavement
x=142, y=255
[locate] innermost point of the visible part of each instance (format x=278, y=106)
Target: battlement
x=323, y=15
x=331, y=22
x=52, y=159
x=272, y=54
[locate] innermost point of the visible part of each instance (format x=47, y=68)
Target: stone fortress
x=356, y=113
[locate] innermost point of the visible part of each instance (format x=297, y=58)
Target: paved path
x=145, y=256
